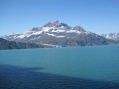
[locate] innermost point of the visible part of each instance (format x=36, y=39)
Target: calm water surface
x=90, y=62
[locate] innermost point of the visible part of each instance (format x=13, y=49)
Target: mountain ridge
x=5, y=44
x=58, y=33
x=113, y=36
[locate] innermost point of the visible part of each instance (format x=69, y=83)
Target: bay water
x=100, y=63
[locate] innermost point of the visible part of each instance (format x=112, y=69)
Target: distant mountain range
x=113, y=36
x=59, y=34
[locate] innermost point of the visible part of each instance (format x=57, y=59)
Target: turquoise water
x=89, y=62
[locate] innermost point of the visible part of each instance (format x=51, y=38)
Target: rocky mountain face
x=59, y=34
x=113, y=36
x=4, y=44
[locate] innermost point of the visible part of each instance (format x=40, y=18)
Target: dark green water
x=97, y=63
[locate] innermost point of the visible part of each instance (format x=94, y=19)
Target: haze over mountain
x=60, y=34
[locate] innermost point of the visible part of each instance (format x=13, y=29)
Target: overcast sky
x=99, y=16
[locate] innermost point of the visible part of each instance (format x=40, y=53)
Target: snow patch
x=50, y=34
x=58, y=31
x=73, y=31
x=37, y=33
x=54, y=35
x=20, y=36
x=46, y=29
x=14, y=37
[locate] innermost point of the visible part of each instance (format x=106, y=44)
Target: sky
x=99, y=16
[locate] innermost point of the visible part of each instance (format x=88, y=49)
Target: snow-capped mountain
x=58, y=33
x=113, y=36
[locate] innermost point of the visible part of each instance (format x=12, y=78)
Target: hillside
x=4, y=44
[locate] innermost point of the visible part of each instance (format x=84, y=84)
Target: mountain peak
x=57, y=21
x=78, y=28
x=56, y=24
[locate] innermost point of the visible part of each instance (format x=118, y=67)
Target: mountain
x=4, y=44
x=113, y=36
x=59, y=34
